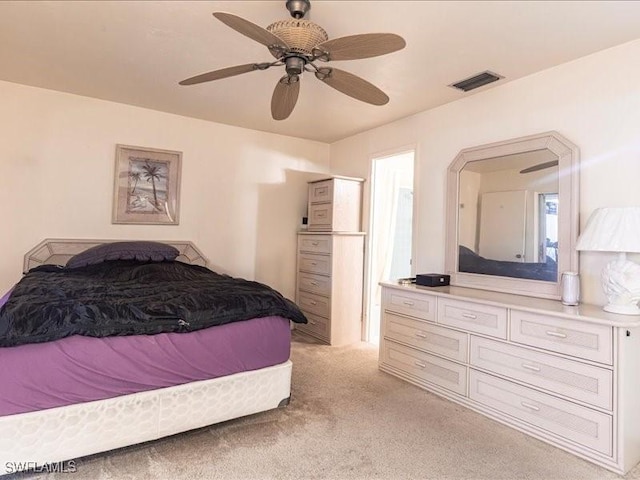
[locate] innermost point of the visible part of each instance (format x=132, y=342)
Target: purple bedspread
x=82, y=369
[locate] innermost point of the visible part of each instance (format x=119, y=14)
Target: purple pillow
x=140, y=250
x=5, y=298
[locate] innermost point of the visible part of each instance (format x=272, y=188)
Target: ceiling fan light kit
x=301, y=35
x=296, y=44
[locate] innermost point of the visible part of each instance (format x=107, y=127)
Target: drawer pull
x=530, y=407
x=469, y=315
x=315, y=244
x=421, y=335
x=311, y=322
x=407, y=302
x=551, y=333
x=315, y=284
x=313, y=263
x=533, y=368
x=420, y=364
x=313, y=302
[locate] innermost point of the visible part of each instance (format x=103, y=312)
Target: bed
x=471, y=262
x=76, y=395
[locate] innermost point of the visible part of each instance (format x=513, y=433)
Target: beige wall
x=243, y=191
x=593, y=101
x=468, y=209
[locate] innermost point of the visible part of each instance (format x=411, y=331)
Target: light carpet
x=346, y=420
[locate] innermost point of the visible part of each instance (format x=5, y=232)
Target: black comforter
x=471, y=262
x=130, y=298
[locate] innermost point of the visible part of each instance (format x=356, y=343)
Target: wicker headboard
x=58, y=251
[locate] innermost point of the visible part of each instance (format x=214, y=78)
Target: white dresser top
x=584, y=312
x=332, y=233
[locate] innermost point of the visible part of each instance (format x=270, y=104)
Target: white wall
x=243, y=192
x=534, y=183
x=593, y=101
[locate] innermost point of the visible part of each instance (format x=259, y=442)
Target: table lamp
x=616, y=230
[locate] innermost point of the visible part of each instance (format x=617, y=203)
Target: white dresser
x=330, y=276
x=567, y=375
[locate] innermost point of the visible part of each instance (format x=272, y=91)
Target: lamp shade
x=612, y=230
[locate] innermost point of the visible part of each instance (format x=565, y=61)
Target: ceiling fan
x=297, y=44
x=540, y=166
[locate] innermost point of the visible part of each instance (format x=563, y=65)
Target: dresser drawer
x=425, y=367
x=438, y=340
x=315, y=304
x=409, y=303
x=320, y=216
x=314, y=263
x=578, y=424
x=321, y=191
x=570, y=378
x=578, y=339
x=475, y=317
x=316, y=326
x=313, y=283
x=314, y=243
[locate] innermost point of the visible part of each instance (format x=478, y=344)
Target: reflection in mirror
x=508, y=216
x=512, y=215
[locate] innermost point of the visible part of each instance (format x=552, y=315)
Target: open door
x=503, y=225
x=391, y=231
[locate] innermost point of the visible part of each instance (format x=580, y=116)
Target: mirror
x=512, y=217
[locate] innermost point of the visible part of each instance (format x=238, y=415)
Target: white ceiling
x=136, y=53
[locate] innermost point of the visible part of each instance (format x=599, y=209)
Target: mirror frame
x=568, y=216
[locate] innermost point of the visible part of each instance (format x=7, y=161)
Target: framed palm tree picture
x=147, y=186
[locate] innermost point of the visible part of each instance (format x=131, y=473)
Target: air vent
x=476, y=81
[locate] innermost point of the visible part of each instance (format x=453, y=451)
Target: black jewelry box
x=432, y=279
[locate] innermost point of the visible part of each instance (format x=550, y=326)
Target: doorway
x=391, y=227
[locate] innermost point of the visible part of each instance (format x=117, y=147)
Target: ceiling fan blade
x=251, y=30
x=285, y=97
x=365, y=45
x=222, y=73
x=540, y=166
x=352, y=85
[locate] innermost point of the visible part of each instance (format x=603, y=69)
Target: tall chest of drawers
x=567, y=375
x=329, y=292
x=331, y=262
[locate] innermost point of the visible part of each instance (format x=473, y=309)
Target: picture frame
x=146, y=186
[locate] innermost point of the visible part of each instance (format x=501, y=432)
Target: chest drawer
x=316, y=326
x=314, y=263
x=321, y=191
x=578, y=339
x=320, y=216
x=314, y=243
x=313, y=283
x=573, y=379
x=439, y=340
x=425, y=367
x=578, y=424
x=475, y=317
x=408, y=303
x=314, y=304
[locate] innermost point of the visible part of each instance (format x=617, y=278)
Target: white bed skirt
x=48, y=436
